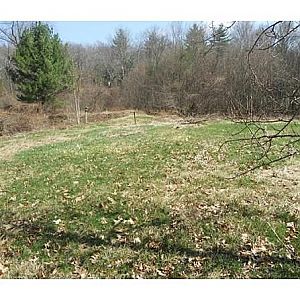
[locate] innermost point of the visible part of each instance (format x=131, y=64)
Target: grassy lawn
x=115, y=200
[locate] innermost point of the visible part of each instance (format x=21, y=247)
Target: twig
x=279, y=239
x=262, y=165
x=281, y=39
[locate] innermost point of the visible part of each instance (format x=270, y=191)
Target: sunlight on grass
x=117, y=200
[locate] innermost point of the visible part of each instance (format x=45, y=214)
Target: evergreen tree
x=220, y=38
x=194, y=39
x=121, y=53
x=41, y=67
x=154, y=46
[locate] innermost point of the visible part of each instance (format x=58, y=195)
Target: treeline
x=244, y=68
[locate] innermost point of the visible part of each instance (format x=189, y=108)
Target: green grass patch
x=152, y=200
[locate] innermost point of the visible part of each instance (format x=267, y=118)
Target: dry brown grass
x=14, y=147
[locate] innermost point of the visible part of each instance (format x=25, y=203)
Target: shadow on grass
x=216, y=256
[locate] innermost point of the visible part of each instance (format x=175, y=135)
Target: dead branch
x=264, y=164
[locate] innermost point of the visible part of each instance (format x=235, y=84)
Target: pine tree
x=121, y=53
x=194, y=45
x=41, y=67
x=154, y=46
x=220, y=38
x=194, y=39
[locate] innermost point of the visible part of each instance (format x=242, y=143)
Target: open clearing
x=115, y=200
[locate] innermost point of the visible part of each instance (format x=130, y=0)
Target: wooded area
x=244, y=69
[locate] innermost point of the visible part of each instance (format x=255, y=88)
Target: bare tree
x=280, y=139
x=10, y=32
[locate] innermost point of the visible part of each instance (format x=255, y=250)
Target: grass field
x=115, y=200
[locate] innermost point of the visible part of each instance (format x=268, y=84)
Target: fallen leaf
x=160, y=273
x=130, y=221
x=290, y=225
x=3, y=269
x=137, y=240
x=57, y=221
x=245, y=237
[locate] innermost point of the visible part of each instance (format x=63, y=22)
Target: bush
x=14, y=123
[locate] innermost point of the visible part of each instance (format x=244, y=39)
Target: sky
x=89, y=32
x=69, y=18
